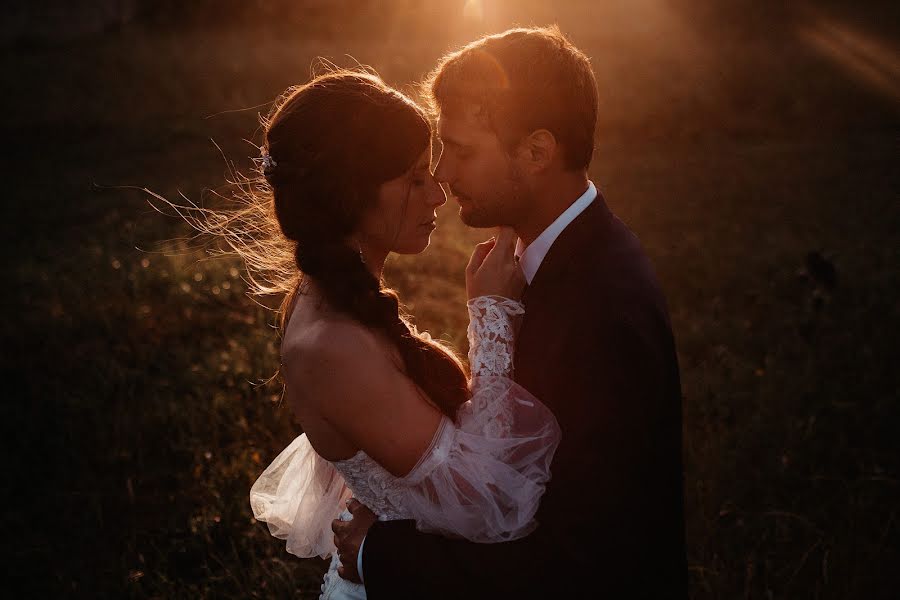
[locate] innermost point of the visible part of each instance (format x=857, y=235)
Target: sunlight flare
x=474, y=9
x=865, y=57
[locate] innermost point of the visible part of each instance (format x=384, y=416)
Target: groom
x=517, y=118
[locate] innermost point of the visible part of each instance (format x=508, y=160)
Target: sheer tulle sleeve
x=298, y=496
x=484, y=475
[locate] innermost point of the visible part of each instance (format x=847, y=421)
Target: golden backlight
x=474, y=10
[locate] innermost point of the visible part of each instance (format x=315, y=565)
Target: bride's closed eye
x=421, y=176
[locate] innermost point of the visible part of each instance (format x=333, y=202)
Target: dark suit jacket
x=596, y=347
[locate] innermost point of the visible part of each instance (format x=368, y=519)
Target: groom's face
x=478, y=171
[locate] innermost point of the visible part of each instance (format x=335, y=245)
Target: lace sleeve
x=491, y=334
x=298, y=496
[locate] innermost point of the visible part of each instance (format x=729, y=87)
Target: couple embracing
x=551, y=467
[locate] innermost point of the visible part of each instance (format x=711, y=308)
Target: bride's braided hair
x=328, y=147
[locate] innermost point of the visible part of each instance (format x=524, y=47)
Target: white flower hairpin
x=265, y=160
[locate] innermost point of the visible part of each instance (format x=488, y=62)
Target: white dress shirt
x=531, y=256
x=530, y=259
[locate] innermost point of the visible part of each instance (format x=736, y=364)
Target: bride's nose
x=435, y=195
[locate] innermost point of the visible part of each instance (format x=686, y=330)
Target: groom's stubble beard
x=503, y=207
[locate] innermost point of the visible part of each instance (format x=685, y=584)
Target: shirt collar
x=531, y=256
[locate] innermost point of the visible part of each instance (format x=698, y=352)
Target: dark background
x=751, y=145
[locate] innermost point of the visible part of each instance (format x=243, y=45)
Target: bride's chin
x=415, y=247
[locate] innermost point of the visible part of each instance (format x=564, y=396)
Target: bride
x=389, y=415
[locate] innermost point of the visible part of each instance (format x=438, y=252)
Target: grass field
x=733, y=147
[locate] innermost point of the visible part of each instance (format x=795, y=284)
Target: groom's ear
x=537, y=150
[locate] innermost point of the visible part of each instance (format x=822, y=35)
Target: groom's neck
x=551, y=196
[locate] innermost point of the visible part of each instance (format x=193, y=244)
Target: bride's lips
x=429, y=224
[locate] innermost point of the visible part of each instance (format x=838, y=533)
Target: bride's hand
x=493, y=271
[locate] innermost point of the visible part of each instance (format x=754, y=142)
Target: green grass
x=138, y=413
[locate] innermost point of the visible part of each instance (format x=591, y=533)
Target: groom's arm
x=399, y=561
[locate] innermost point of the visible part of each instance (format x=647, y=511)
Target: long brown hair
x=331, y=143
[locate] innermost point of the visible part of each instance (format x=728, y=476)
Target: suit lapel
x=543, y=298
x=585, y=232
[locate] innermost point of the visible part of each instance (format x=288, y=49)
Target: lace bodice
x=481, y=477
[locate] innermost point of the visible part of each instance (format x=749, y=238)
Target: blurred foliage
x=746, y=161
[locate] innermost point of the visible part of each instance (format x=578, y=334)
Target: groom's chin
x=473, y=218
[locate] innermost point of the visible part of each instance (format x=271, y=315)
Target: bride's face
x=404, y=216
x=480, y=173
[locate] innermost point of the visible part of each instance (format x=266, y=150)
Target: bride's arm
x=479, y=477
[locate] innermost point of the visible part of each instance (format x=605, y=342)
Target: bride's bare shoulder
x=331, y=342
x=337, y=357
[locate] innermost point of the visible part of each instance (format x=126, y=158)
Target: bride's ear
x=537, y=150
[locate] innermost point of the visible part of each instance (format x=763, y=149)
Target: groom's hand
x=348, y=535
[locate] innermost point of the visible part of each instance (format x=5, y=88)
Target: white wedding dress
x=481, y=478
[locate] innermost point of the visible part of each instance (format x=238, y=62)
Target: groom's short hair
x=522, y=80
